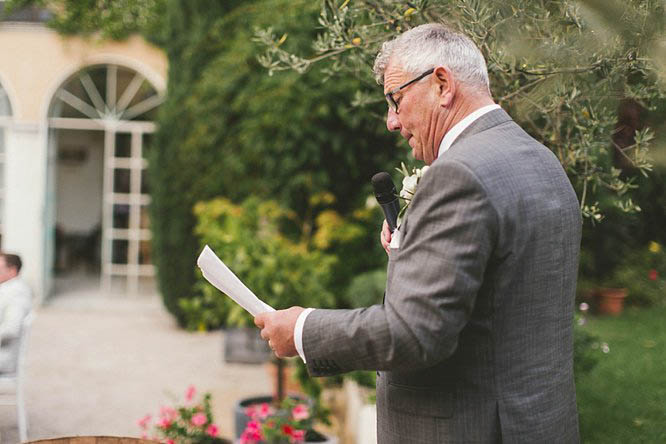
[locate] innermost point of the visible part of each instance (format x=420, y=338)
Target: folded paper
x=218, y=274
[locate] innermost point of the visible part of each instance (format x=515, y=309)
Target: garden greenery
x=560, y=68
x=248, y=240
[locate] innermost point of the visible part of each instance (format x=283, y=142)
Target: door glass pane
x=123, y=145
x=98, y=76
x=121, y=180
x=121, y=215
x=145, y=252
x=119, y=251
x=145, y=217
x=147, y=145
x=145, y=185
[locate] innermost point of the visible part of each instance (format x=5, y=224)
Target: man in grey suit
x=474, y=341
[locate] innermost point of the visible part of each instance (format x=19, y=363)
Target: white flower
x=409, y=186
x=421, y=172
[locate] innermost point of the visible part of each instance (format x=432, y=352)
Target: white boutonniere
x=409, y=184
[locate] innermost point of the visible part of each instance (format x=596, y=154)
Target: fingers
x=260, y=320
x=385, y=237
x=278, y=329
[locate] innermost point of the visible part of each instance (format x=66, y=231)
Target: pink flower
x=251, y=436
x=300, y=412
x=199, y=419
x=212, y=430
x=251, y=412
x=265, y=410
x=189, y=394
x=253, y=426
x=259, y=412
x=170, y=441
x=164, y=423
x=169, y=413
x=298, y=435
x=287, y=429
x=143, y=422
x=653, y=275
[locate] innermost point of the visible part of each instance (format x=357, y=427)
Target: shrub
x=643, y=273
x=366, y=289
x=586, y=350
x=280, y=271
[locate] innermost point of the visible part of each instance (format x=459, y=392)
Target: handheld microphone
x=387, y=197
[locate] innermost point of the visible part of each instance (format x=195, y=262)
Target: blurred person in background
x=15, y=304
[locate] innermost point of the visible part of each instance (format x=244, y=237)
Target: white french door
x=126, y=232
x=121, y=103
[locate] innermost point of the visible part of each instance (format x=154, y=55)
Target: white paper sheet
x=218, y=274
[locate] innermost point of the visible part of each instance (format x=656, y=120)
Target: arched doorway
x=100, y=124
x=5, y=116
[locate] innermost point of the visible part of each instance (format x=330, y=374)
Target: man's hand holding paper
x=278, y=329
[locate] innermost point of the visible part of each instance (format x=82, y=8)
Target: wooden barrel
x=93, y=440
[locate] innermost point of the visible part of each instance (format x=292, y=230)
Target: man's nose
x=392, y=121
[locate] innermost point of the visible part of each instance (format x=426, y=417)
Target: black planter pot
x=245, y=346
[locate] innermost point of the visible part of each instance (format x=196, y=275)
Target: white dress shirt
x=15, y=304
x=448, y=139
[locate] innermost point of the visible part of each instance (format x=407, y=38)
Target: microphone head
x=384, y=188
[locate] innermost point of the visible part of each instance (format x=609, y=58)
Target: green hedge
x=228, y=129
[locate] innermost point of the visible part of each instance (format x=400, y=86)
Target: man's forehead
x=394, y=76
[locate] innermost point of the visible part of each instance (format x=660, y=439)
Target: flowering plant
x=409, y=184
x=185, y=424
x=288, y=424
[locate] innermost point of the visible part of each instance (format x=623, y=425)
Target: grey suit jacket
x=475, y=337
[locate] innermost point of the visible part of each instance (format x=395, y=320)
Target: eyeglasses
x=389, y=95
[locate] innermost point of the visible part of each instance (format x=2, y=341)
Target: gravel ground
x=96, y=364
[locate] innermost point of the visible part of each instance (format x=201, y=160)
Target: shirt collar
x=459, y=127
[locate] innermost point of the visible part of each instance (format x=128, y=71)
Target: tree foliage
x=228, y=129
x=111, y=19
x=560, y=68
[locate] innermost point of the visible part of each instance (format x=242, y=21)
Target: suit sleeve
x=433, y=280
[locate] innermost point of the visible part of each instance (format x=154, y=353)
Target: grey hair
x=432, y=45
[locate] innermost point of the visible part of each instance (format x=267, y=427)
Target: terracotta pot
x=610, y=301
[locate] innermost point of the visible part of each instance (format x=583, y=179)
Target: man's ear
x=446, y=85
